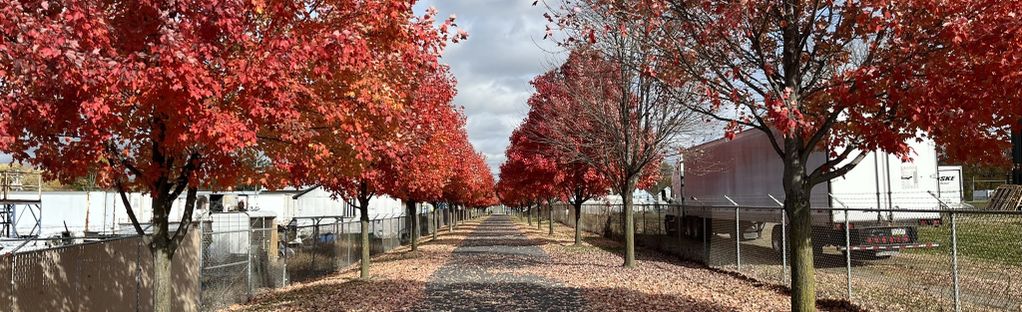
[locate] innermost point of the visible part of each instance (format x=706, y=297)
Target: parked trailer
x=887, y=199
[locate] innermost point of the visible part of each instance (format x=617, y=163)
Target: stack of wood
x=1006, y=198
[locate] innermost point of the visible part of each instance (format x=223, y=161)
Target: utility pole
x=1016, y=153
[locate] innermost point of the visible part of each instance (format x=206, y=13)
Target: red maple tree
x=165, y=97
x=424, y=165
x=850, y=77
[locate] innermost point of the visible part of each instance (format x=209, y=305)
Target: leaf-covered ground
x=658, y=283
x=398, y=281
x=495, y=264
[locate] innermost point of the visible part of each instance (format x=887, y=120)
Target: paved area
x=472, y=280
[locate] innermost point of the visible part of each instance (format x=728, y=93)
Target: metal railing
x=911, y=259
x=21, y=183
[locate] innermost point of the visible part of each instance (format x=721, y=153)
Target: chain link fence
x=905, y=259
x=227, y=258
x=244, y=254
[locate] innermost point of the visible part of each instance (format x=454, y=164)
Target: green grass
x=584, y=249
x=993, y=238
x=978, y=204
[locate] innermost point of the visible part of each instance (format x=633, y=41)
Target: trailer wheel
x=686, y=226
x=672, y=225
x=755, y=228
x=699, y=228
x=777, y=239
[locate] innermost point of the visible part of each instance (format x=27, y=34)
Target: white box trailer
x=952, y=190
x=743, y=176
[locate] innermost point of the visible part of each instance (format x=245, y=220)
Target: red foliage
x=388, y=116
x=892, y=71
x=168, y=96
x=550, y=154
x=424, y=165
x=472, y=184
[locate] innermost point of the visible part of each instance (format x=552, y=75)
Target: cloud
x=505, y=50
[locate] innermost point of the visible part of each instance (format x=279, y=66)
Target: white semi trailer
x=887, y=199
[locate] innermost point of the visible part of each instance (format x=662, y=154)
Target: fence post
x=848, y=256
x=738, y=235
x=679, y=219
x=706, y=238
x=784, y=240
x=13, y=258
x=644, y=227
x=283, y=273
x=315, y=242
x=248, y=261
x=202, y=260
x=954, y=262
x=659, y=221
x=347, y=244
x=738, y=240
x=784, y=247
x=337, y=242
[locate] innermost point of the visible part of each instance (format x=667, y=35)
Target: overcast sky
x=504, y=51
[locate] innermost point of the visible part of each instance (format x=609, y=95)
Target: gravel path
x=470, y=281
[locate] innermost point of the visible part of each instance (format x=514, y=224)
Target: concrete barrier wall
x=114, y=275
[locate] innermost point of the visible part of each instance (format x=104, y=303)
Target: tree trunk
x=162, y=282
x=528, y=214
x=163, y=252
x=162, y=243
x=550, y=216
x=436, y=221
x=539, y=216
x=578, y=227
x=803, y=275
x=629, y=224
x=413, y=219
x=796, y=206
x=450, y=218
x=1016, y=152
x=364, y=222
